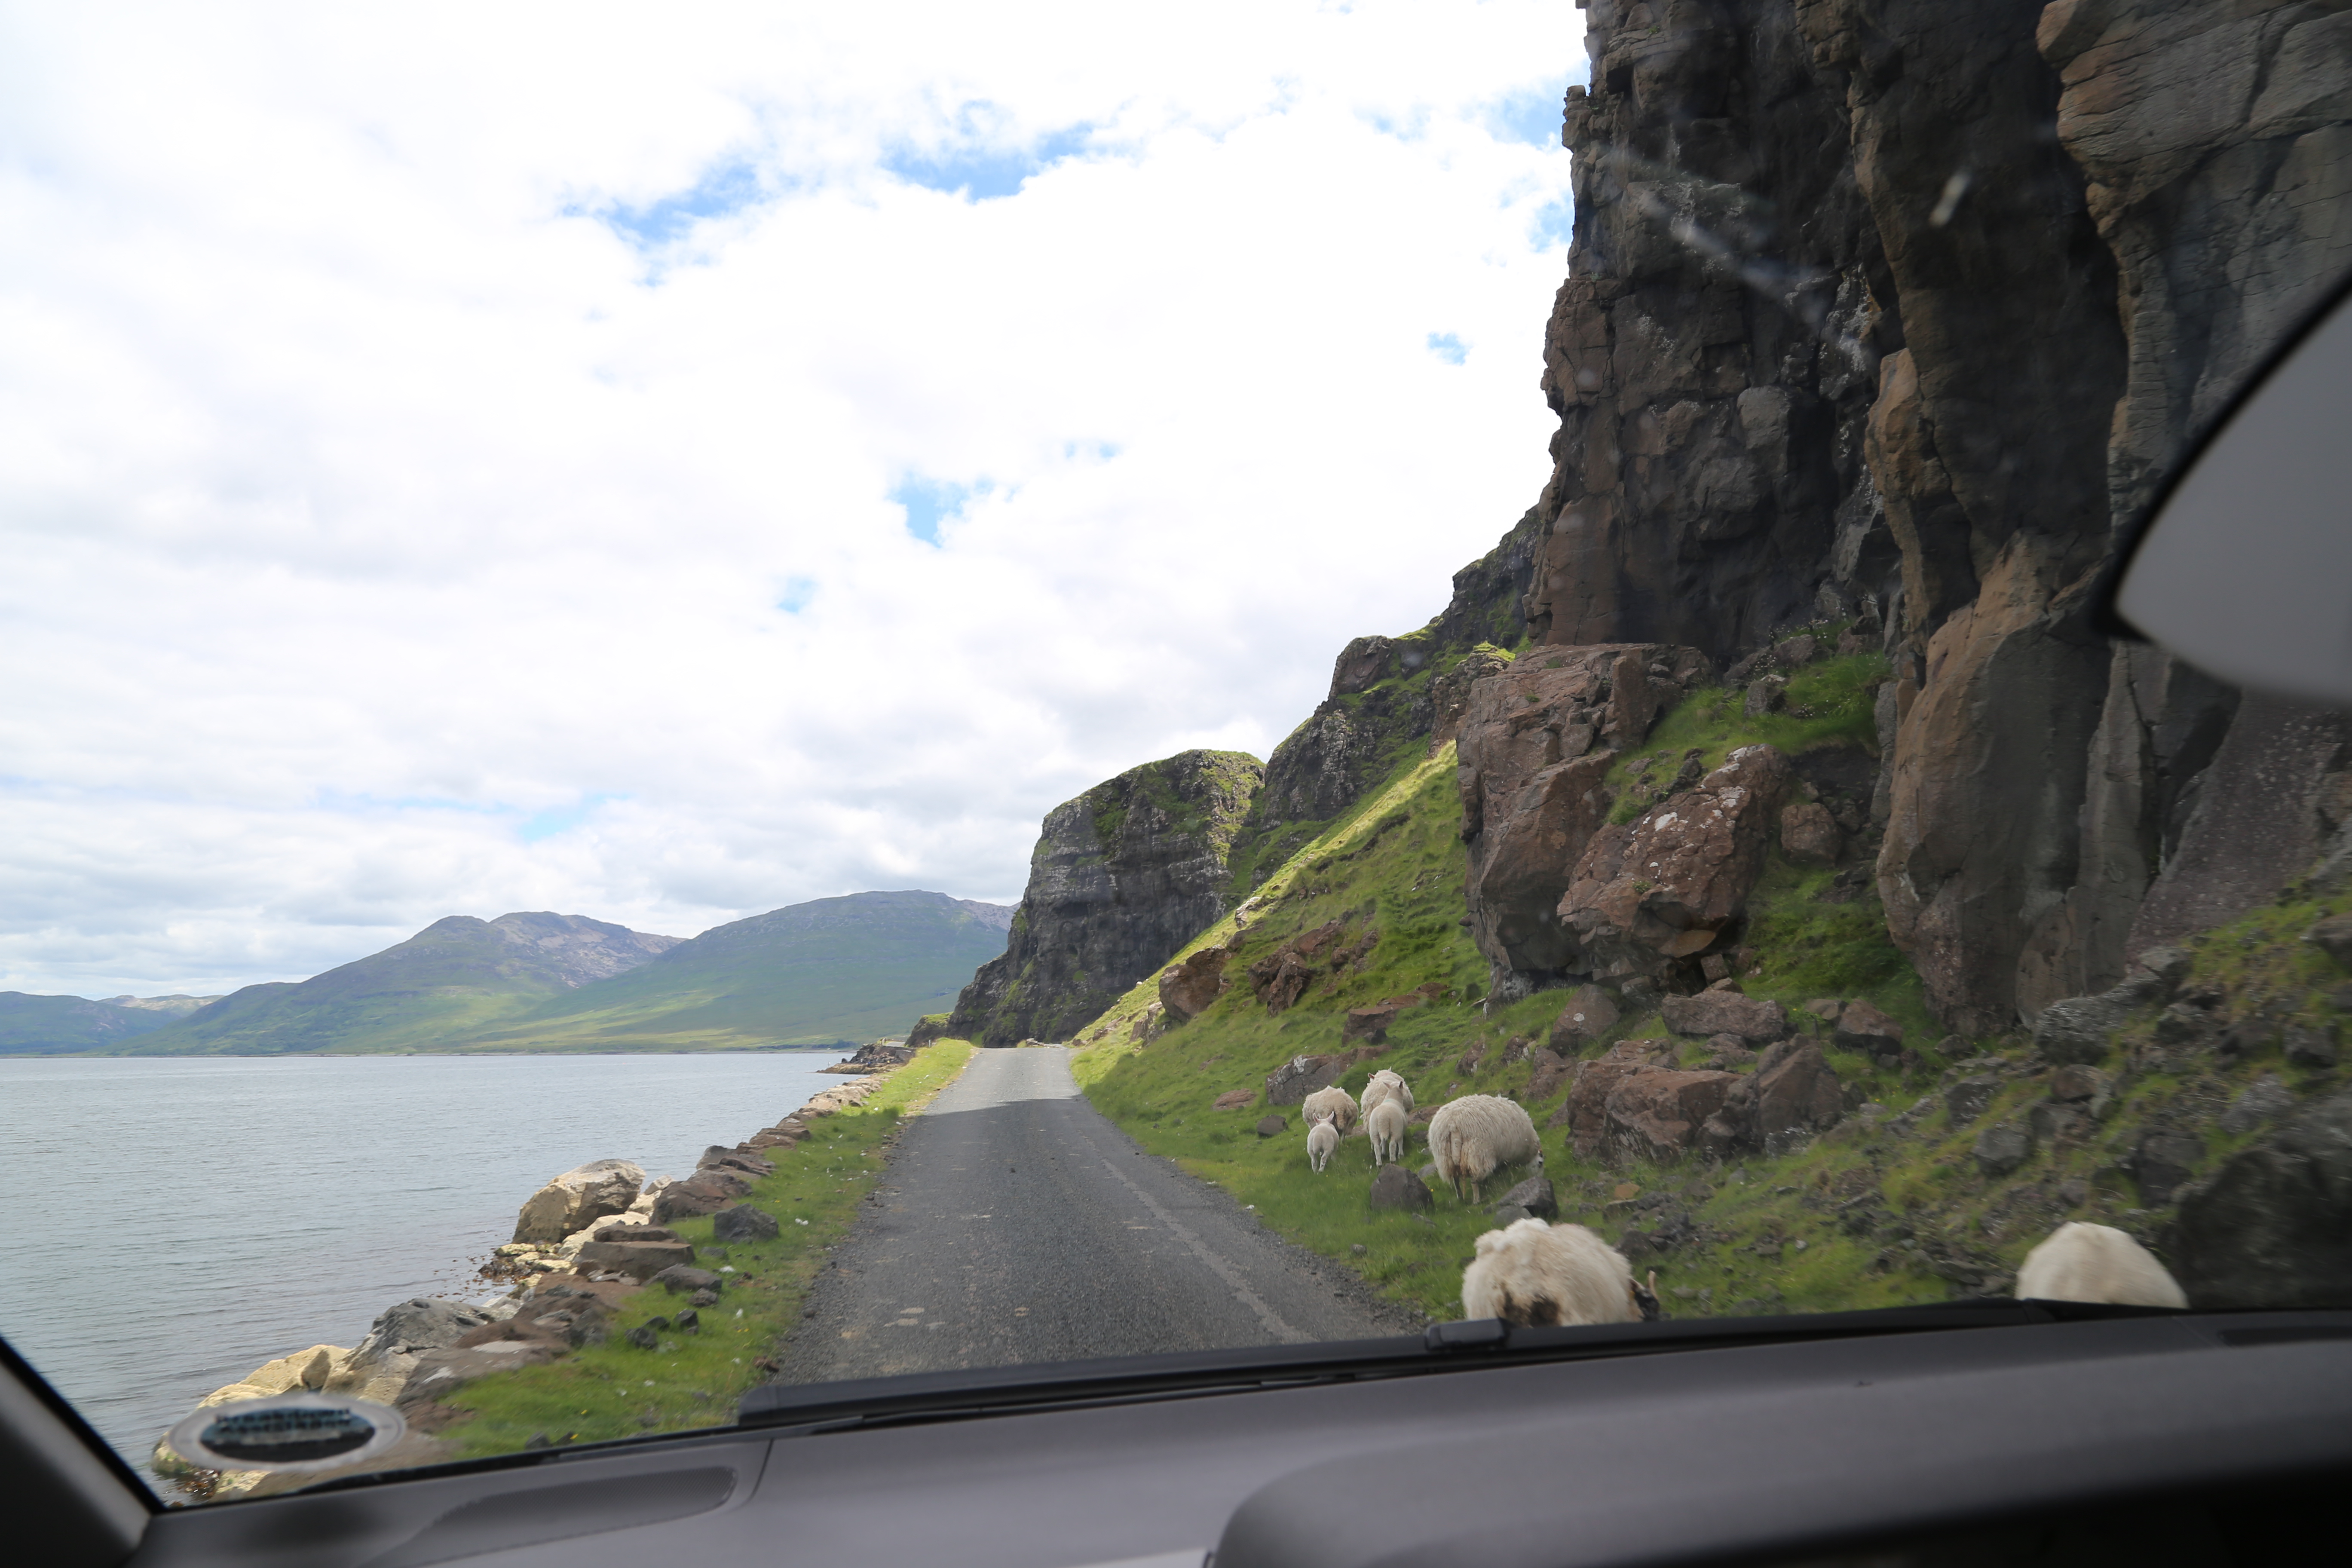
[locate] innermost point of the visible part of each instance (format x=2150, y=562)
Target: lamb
x=1386, y=1085
x=1332, y=1104
x=1474, y=1136
x=1535, y=1275
x=1386, y=1122
x=2079, y=1262
x=1322, y=1139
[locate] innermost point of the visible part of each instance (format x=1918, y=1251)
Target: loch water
x=171, y=1224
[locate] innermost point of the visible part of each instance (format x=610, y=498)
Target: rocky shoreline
x=583, y=1243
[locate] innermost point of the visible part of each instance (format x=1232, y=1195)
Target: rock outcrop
x=1648, y=898
x=2270, y=1228
x=1121, y=877
x=1848, y=331
x=576, y=1198
x=1535, y=739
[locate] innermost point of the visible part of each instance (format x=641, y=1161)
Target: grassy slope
x=753, y=985
x=49, y=1025
x=616, y=1390
x=1886, y=1215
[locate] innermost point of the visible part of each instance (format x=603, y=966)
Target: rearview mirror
x=2244, y=569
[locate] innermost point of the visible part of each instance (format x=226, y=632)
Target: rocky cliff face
x=1121, y=877
x=1898, y=311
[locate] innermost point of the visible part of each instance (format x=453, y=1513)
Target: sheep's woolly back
x=1474, y=1136
x=1321, y=1140
x=1332, y=1104
x=1387, y=1085
x=1386, y=1122
x=2083, y=1262
x=1549, y=1276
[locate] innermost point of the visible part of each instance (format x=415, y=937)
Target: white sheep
x=1386, y=1122
x=2079, y=1262
x=1386, y=1085
x=1550, y=1275
x=1332, y=1104
x=1474, y=1136
x=1321, y=1140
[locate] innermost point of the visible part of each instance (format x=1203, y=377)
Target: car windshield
x=700, y=713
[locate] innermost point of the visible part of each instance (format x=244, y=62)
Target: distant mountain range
x=42, y=1026
x=833, y=971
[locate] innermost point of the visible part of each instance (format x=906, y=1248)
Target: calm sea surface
x=170, y=1225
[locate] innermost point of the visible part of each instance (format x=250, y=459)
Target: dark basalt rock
x=2273, y=1226
x=743, y=1223
x=1398, y=1188
x=681, y=1278
x=1121, y=877
x=1534, y=1196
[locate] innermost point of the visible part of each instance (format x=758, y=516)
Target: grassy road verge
x=616, y=1390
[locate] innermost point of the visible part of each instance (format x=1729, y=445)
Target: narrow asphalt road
x=1016, y=1225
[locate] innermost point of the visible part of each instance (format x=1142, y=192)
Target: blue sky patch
x=929, y=503
x=1532, y=116
x=724, y=188
x=798, y=591
x=973, y=165
x=1448, y=347
x=558, y=819
x=1555, y=221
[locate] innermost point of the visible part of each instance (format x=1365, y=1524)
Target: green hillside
x=50, y=1026
x=829, y=972
x=1890, y=1205
x=448, y=981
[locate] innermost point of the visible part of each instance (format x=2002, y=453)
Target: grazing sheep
x=2079, y=1262
x=1332, y=1104
x=1474, y=1136
x=1386, y=1122
x=1386, y=1085
x=1321, y=1140
x=1550, y=1275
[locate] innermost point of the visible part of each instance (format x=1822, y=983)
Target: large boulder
x=743, y=1223
x=2333, y=936
x=637, y=1259
x=1590, y=1014
x=1649, y=896
x=2273, y=1226
x=684, y=1279
x=1537, y=738
x=1187, y=989
x=2081, y=1028
x=1862, y=1027
x=1808, y=834
x=1534, y=1197
x=581, y=1195
x=1792, y=1094
x=695, y=1196
x=1281, y=977
x=1711, y=1012
x=1301, y=1076
x=1656, y=1113
x=441, y=1373
x=1398, y=1188
x=1585, y=1113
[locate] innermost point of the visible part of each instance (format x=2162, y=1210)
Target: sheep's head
x=1645, y=1297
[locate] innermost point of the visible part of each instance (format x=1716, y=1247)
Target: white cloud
x=447, y=457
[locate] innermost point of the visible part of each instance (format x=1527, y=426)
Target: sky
x=666, y=463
